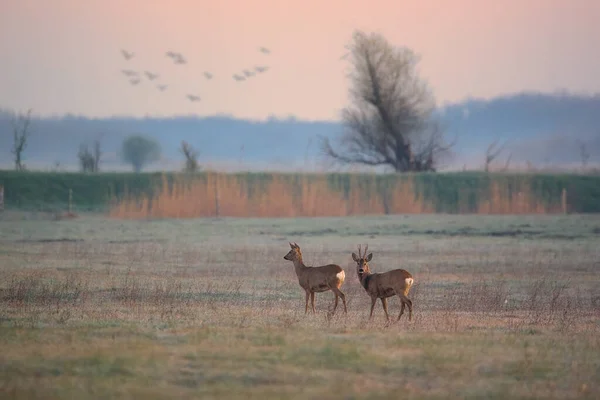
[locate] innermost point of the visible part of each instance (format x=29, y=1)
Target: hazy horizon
x=63, y=57
x=537, y=129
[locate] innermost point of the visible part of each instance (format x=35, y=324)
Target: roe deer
x=383, y=285
x=317, y=279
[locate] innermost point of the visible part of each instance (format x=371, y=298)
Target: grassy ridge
x=448, y=192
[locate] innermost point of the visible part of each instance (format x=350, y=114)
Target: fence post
x=216, y=195
x=1, y=198
x=563, y=201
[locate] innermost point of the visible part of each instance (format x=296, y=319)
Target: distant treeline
x=460, y=192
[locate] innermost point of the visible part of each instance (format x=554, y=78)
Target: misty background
x=519, y=74
x=544, y=130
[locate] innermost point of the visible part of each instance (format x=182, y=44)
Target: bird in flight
x=248, y=74
x=208, y=75
x=151, y=76
x=238, y=78
x=264, y=50
x=162, y=88
x=134, y=81
x=193, y=98
x=179, y=60
x=176, y=57
x=261, y=69
x=128, y=55
x=128, y=72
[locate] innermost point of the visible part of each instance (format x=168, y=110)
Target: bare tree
x=89, y=160
x=507, y=163
x=97, y=155
x=390, y=119
x=191, y=157
x=21, y=125
x=584, y=154
x=492, y=152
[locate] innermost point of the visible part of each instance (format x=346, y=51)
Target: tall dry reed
x=218, y=194
x=502, y=200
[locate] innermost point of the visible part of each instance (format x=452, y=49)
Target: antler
x=359, y=255
x=366, y=248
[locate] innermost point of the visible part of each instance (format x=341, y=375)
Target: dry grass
x=228, y=195
x=221, y=314
x=501, y=200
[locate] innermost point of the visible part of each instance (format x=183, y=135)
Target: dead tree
x=507, y=163
x=584, y=154
x=492, y=152
x=86, y=159
x=390, y=119
x=21, y=125
x=191, y=157
x=97, y=155
x=89, y=160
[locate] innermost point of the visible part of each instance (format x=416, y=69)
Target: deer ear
x=354, y=257
x=291, y=245
x=369, y=257
x=296, y=245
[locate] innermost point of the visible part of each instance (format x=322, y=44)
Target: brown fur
x=317, y=279
x=383, y=285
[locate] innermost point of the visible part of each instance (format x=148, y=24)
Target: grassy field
x=505, y=307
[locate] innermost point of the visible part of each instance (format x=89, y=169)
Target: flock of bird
x=135, y=77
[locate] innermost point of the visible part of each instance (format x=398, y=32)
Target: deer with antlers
x=383, y=285
x=317, y=279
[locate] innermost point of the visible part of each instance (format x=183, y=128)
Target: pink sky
x=62, y=56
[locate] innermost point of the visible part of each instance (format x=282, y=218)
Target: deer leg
x=384, y=304
x=306, y=303
x=373, y=301
x=335, y=304
x=343, y=296
x=408, y=302
x=401, y=309
x=312, y=301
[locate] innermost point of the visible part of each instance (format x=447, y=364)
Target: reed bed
x=227, y=195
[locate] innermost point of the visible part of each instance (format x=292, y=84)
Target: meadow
x=98, y=307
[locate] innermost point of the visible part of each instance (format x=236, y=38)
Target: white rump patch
x=341, y=275
x=409, y=281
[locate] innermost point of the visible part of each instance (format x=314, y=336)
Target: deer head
x=362, y=262
x=294, y=254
